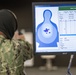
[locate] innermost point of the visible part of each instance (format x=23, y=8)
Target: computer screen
x=54, y=27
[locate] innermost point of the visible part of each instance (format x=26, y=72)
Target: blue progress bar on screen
x=67, y=34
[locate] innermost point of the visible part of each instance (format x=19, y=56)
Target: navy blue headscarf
x=8, y=23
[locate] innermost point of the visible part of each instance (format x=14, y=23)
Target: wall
x=23, y=10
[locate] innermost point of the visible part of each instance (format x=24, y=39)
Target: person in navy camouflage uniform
x=13, y=52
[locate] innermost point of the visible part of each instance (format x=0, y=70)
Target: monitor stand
x=48, y=65
x=70, y=62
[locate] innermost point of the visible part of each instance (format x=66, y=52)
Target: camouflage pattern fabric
x=12, y=56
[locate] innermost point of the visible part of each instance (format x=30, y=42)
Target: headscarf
x=8, y=23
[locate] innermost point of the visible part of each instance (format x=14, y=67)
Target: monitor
x=54, y=27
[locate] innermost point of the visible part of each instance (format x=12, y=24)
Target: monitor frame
x=33, y=19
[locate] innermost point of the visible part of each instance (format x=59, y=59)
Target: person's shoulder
x=18, y=42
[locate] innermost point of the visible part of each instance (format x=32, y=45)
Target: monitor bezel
x=33, y=20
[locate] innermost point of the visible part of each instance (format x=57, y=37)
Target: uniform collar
x=1, y=36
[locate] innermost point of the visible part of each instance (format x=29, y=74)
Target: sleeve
x=27, y=49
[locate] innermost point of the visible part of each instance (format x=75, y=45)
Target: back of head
x=8, y=23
